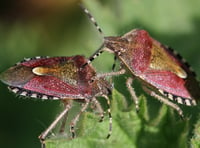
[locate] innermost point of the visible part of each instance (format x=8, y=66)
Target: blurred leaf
x=195, y=141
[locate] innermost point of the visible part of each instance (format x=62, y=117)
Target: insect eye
x=92, y=80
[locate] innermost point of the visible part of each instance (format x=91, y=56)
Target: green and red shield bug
x=162, y=72
x=59, y=78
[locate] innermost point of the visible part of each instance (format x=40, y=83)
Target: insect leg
x=114, y=63
x=132, y=92
x=99, y=108
x=62, y=127
x=53, y=124
x=165, y=101
x=74, y=121
x=110, y=116
x=114, y=73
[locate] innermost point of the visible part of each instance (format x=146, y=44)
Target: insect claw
x=137, y=110
x=73, y=135
x=42, y=141
x=101, y=119
x=43, y=145
x=108, y=136
x=182, y=117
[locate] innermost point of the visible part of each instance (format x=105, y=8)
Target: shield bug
x=162, y=72
x=59, y=78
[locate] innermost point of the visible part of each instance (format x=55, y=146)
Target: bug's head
x=135, y=39
x=115, y=45
x=101, y=86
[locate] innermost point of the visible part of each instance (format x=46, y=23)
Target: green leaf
x=195, y=141
x=172, y=22
x=129, y=129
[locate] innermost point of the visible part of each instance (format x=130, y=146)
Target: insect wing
x=21, y=77
x=159, y=66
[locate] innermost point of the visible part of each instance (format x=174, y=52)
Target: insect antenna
x=94, y=56
x=92, y=19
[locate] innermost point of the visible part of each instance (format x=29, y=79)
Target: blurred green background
x=30, y=28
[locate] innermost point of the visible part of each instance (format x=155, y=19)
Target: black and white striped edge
x=182, y=59
x=26, y=93
x=33, y=58
x=180, y=100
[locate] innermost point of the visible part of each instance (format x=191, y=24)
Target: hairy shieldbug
x=60, y=78
x=162, y=72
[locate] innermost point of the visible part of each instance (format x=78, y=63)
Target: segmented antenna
x=92, y=19
x=94, y=56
